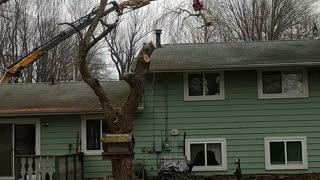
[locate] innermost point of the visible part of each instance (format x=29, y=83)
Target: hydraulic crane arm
x=15, y=68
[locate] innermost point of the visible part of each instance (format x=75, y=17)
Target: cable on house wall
x=153, y=111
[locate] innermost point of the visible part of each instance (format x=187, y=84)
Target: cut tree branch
x=95, y=22
x=136, y=82
x=103, y=34
x=85, y=45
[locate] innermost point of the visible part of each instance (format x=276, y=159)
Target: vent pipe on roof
x=158, y=33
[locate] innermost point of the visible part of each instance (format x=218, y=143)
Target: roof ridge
x=247, y=42
x=236, y=55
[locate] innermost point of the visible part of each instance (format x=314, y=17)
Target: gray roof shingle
x=233, y=55
x=44, y=98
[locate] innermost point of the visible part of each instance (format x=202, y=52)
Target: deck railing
x=49, y=167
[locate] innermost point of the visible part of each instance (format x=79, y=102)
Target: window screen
x=294, y=152
x=214, y=156
x=197, y=154
x=293, y=82
x=93, y=133
x=204, y=84
x=195, y=84
x=277, y=154
x=211, y=82
x=287, y=82
x=207, y=154
x=289, y=152
x=271, y=82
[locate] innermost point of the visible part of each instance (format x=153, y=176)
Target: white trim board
x=222, y=167
x=303, y=141
x=282, y=95
x=221, y=96
x=13, y=121
x=84, y=132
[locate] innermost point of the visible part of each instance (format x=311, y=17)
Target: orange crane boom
x=15, y=68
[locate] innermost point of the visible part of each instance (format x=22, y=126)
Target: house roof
x=44, y=98
x=235, y=55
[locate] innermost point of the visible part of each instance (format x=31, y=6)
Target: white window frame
x=286, y=166
x=221, y=96
x=283, y=95
x=84, y=119
x=223, y=143
x=36, y=122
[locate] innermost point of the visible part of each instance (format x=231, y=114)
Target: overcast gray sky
x=156, y=8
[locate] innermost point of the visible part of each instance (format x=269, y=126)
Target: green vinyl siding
x=62, y=131
x=241, y=118
x=95, y=167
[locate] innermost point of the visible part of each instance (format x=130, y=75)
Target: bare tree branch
x=127, y=38
x=243, y=20
x=103, y=34
x=3, y=1
x=136, y=81
x=95, y=22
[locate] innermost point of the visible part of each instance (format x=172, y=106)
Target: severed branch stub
x=143, y=59
x=136, y=81
x=146, y=58
x=142, y=64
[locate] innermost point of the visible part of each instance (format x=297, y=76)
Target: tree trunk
x=122, y=169
x=118, y=121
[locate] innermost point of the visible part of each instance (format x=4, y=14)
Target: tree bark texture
x=125, y=116
x=119, y=121
x=122, y=169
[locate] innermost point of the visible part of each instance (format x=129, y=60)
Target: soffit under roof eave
x=233, y=67
x=42, y=113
